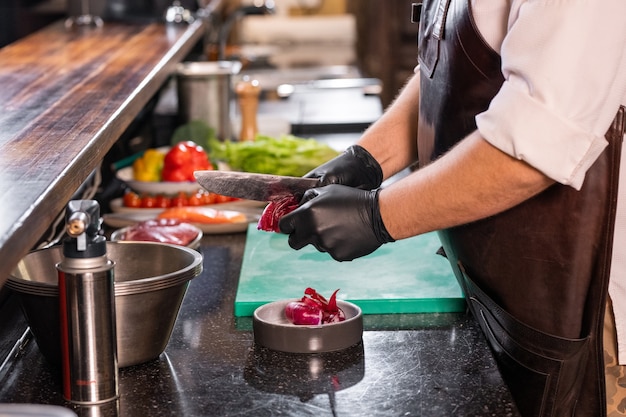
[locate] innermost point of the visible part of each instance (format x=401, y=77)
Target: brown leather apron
x=535, y=276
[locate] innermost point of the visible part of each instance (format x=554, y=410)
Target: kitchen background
x=300, y=39
x=376, y=36
x=418, y=364
x=368, y=42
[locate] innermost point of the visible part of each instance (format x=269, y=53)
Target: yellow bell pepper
x=149, y=166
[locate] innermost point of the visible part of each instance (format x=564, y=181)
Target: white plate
x=118, y=220
x=156, y=187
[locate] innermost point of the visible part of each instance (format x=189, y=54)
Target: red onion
x=314, y=309
x=301, y=313
x=275, y=210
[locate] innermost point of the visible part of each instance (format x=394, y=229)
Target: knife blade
x=253, y=186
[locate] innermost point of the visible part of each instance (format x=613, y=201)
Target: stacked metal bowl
x=151, y=280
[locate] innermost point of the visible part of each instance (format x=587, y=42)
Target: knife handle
x=248, y=92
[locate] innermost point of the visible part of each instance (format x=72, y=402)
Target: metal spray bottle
x=87, y=309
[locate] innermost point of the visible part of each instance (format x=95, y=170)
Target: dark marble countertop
x=432, y=365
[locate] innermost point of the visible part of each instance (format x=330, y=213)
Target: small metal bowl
x=273, y=331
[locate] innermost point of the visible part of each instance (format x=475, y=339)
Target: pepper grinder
x=87, y=309
x=248, y=92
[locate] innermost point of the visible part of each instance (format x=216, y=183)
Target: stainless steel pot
x=205, y=93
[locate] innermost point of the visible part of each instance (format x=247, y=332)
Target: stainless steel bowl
x=151, y=280
x=272, y=330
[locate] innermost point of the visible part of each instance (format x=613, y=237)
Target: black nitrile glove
x=355, y=167
x=340, y=220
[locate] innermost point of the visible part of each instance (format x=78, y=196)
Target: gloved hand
x=340, y=220
x=355, y=167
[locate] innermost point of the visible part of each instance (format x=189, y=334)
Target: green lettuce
x=284, y=155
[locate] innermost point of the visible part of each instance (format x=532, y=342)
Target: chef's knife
x=252, y=186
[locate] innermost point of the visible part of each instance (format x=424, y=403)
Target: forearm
x=392, y=139
x=473, y=181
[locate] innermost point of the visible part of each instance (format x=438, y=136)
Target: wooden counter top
x=65, y=97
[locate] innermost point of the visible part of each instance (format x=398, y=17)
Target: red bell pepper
x=182, y=160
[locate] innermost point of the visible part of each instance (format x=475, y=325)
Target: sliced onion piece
x=301, y=313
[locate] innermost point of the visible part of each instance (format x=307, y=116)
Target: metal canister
x=205, y=93
x=87, y=309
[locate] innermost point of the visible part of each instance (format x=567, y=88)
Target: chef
x=513, y=125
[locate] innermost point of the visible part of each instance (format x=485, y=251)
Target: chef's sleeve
x=564, y=64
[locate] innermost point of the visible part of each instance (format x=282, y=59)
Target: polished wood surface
x=66, y=95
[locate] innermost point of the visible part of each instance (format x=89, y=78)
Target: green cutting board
x=406, y=276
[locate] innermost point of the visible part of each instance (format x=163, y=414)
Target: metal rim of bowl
x=161, y=281
x=121, y=288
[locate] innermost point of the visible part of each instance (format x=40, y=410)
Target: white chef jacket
x=564, y=65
